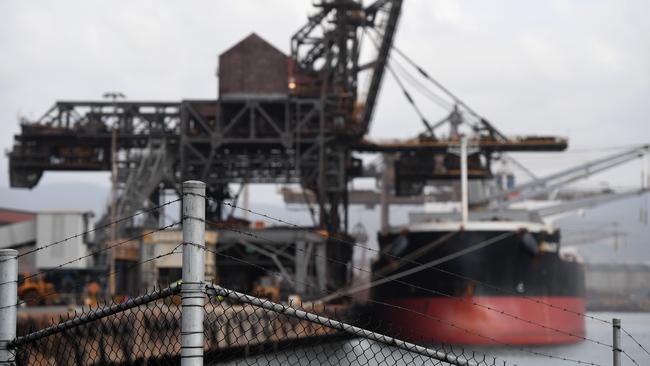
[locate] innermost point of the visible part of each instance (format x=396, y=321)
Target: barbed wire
x=128, y=332
x=95, y=313
x=112, y=273
x=431, y=317
x=361, y=246
x=635, y=341
x=31, y=251
x=235, y=325
x=427, y=76
x=94, y=252
x=271, y=272
x=297, y=311
x=433, y=291
x=629, y=357
x=325, y=291
x=376, y=301
x=105, y=276
x=494, y=287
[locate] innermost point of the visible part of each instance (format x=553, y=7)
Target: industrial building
x=60, y=244
x=26, y=231
x=618, y=286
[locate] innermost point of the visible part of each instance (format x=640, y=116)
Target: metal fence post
x=616, y=344
x=192, y=293
x=8, y=303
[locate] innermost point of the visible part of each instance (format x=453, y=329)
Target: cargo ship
x=518, y=257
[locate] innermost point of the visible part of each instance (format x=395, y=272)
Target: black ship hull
x=531, y=292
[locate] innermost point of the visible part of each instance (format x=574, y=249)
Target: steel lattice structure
x=304, y=131
x=303, y=138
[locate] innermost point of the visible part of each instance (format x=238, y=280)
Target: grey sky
x=575, y=68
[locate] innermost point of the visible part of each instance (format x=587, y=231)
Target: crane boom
x=379, y=65
x=544, y=185
x=587, y=202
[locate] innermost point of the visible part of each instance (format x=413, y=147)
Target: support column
x=321, y=266
x=385, y=192
x=300, y=268
x=464, y=196
x=8, y=303
x=616, y=344
x=192, y=294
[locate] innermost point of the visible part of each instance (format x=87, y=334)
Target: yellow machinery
x=267, y=288
x=35, y=290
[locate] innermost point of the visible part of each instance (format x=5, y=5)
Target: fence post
x=616, y=344
x=8, y=303
x=192, y=293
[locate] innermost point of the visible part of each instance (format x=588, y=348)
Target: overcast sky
x=575, y=68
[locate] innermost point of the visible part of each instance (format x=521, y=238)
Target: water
x=638, y=324
x=363, y=352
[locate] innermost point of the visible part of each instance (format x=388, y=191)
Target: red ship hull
x=456, y=321
x=486, y=296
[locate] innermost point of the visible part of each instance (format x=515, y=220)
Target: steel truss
x=304, y=137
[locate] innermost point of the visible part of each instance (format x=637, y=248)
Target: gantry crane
x=304, y=134
x=305, y=131
x=302, y=137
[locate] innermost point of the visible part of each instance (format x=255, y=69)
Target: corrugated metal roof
x=10, y=216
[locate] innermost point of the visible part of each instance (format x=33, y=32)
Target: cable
x=459, y=102
x=433, y=263
x=411, y=100
x=91, y=314
x=630, y=357
x=430, y=94
x=407, y=95
x=636, y=341
x=361, y=332
x=456, y=275
x=440, y=270
x=209, y=222
x=412, y=261
x=94, y=229
x=436, y=83
x=95, y=252
x=309, y=284
x=405, y=309
x=173, y=251
x=395, y=278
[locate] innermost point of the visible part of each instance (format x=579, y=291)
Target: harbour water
x=637, y=324
x=363, y=352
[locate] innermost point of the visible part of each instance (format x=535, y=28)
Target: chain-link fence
x=248, y=330
x=196, y=323
x=145, y=329
x=238, y=329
